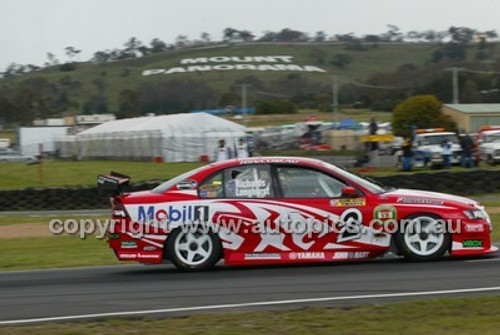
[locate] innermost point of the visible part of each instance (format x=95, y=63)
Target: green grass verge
x=441, y=316
x=54, y=252
x=84, y=173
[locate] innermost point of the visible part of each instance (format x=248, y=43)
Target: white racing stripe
x=250, y=304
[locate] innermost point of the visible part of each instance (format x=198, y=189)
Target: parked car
x=428, y=150
x=16, y=157
x=489, y=147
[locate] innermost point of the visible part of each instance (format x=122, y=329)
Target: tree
x=181, y=41
x=319, y=37
x=246, y=35
x=205, y=37
x=100, y=84
x=276, y=107
x=393, y=34
x=96, y=104
x=132, y=47
x=128, y=104
x=318, y=54
x=269, y=36
x=157, y=45
x=422, y=111
x=471, y=92
x=289, y=35
x=101, y=57
x=71, y=52
x=341, y=60
x=228, y=33
x=374, y=39
x=52, y=60
x=461, y=35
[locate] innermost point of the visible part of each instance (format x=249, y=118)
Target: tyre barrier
x=63, y=198
x=462, y=183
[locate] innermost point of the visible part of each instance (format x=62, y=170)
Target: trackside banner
x=226, y=63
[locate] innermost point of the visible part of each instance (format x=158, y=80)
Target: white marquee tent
x=175, y=138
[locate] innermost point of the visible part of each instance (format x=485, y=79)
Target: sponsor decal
x=182, y=213
x=210, y=187
x=472, y=243
x=419, y=201
x=348, y=202
x=351, y=225
x=128, y=256
x=258, y=255
x=128, y=245
x=385, y=213
x=268, y=161
x=474, y=228
x=208, y=194
x=343, y=255
x=153, y=256
x=307, y=255
x=113, y=236
x=252, y=188
x=187, y=184
x=149, y=248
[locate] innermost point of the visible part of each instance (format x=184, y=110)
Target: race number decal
x=350, y=225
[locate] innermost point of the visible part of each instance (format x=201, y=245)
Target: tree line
x=454, y=41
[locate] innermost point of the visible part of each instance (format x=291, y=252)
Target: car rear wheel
x=193, y=249
x=423, y=238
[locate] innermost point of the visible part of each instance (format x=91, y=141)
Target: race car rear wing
x=113, y=184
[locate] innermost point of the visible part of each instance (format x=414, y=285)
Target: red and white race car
x=287, y=210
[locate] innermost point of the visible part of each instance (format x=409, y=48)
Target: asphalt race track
x=137, y=290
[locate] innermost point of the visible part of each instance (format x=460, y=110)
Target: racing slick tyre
x=193, y=249
x=423, y=238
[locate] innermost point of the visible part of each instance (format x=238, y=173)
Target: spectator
x=446, y=154
x=222, y=152
x=242, y=149
x=407, y=153
x=467, y=150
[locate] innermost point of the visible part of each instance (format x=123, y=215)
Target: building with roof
x=471, y=117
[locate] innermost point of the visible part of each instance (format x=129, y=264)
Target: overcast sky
x=31, y=28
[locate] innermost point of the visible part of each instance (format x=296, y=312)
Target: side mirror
x=349, y=192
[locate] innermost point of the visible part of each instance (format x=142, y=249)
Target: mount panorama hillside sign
x=224, y=63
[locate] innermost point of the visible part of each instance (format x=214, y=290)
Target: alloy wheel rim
x=424, y=236
x=193, y=248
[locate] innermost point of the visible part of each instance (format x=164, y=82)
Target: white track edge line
x=248, y=304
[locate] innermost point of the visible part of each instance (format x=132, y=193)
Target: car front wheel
x=193, y=249
x=423, y=238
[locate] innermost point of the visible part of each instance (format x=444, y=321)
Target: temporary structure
x=174, y=138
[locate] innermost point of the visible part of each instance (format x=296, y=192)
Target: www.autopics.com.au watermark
x=100, y=228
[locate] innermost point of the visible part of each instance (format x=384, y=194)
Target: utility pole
x=454, y=71
x=335, y=97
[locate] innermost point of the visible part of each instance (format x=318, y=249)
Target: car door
x=244, y=214
x=319, y=219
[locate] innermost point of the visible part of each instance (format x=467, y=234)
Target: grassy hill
x=120, y=75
